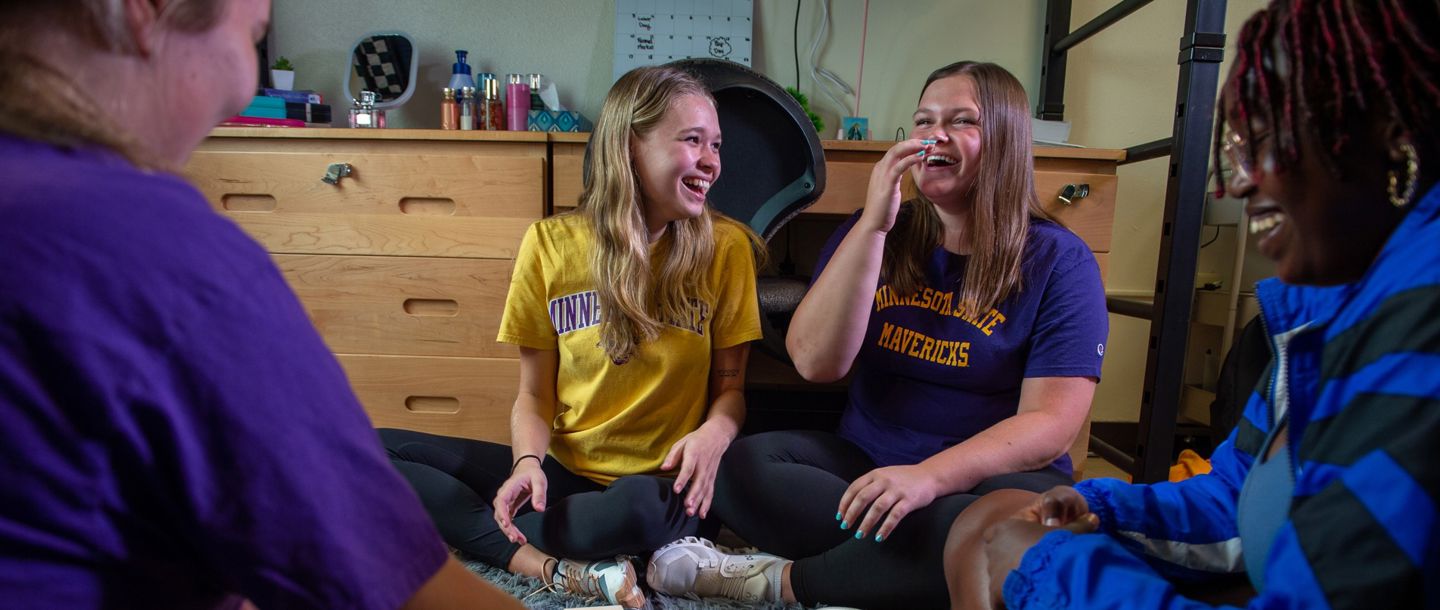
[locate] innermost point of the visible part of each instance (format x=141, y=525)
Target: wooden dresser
x=404, y=264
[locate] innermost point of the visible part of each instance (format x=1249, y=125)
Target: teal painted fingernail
x=859, y=535
x=879, y=538
x=837, y=516
x=920, y=154
x=844, y=525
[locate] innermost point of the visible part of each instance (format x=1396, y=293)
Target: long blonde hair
x=1003, y=200
x=43, y=104
x=636, y=300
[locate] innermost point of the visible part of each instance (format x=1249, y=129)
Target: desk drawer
x=447, y=203
x=403, y=305
x=1091, y=217
x=466, y=397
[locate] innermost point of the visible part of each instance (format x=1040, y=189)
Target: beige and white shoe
x=613, y=580
x=693, y=565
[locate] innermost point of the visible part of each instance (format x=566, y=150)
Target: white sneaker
x=612, y=580
x=693, y=565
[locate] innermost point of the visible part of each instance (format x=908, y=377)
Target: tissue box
x=557, y=120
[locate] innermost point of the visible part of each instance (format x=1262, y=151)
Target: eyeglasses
x=1237, y=152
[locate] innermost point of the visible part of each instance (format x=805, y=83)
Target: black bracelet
x=528, y=455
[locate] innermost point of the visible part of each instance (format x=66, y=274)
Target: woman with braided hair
x=1326, y=493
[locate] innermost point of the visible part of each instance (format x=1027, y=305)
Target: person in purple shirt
x=973, y=328
x=175, y=432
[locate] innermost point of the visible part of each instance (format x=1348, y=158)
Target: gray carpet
x=523, y=586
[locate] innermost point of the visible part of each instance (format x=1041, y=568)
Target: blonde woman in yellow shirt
x=633, y=315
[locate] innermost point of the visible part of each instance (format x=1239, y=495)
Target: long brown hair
x=42, y=103
x=635, y=299
x=1003, y=199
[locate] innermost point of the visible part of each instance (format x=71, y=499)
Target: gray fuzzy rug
x=525, y=589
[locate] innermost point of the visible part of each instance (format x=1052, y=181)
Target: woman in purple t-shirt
x=176, y=434
x=973, y=328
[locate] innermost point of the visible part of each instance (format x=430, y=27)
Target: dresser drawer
x=568, y=159
x=465, y=397
x=403, y=305
x=445, y=200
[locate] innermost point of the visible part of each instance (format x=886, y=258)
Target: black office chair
x=773, y=164
x=772, y=168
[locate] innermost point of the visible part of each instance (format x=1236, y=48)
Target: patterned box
x=557, y=120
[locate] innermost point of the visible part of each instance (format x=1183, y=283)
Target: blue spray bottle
x=460, y=73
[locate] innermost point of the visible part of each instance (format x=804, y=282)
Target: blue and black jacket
x=1357, y=367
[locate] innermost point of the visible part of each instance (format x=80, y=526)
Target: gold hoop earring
x=1412, y=170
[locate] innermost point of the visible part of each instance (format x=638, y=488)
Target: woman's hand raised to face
x=882, y=200
x=876, y=502
x=528, y=482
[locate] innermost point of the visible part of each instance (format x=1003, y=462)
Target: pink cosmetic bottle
x=517, y=102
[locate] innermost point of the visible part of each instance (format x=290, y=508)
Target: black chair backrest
x=772, y=165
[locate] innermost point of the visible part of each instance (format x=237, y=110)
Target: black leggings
x=779, y=492
x=457, y=480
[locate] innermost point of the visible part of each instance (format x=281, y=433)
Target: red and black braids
x=1324, y=64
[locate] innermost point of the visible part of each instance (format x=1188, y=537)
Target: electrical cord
x=1212, y=239
x=825, y=79
x=795, y=39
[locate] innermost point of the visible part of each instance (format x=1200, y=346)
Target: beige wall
x=1120, y=90
x=905, y=41
x=570, y=41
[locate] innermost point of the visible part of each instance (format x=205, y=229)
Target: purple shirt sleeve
x=176, y=430
x=1071, y=323
x=274, y=464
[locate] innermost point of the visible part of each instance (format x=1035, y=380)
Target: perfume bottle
x=449, y=109
x=363, y=113
x=489, y=110
x=535, y=102
x=467, y=108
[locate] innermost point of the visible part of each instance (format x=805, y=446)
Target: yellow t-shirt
x=615, y=420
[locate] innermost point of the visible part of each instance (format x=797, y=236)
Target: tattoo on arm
x=727, y=373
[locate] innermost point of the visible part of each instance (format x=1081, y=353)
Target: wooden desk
x=848, y=164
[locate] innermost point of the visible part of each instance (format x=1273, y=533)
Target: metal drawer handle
x=1070, y=192
x=335, y=172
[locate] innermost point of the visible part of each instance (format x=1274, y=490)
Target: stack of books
x=283, y=108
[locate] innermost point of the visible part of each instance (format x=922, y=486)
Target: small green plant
x=282, y=63
x=805, y=104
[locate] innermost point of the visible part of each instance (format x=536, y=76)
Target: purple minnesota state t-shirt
x=928, y=377
x=173, y=432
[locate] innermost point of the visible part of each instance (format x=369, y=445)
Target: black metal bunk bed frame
x=1202, y=48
